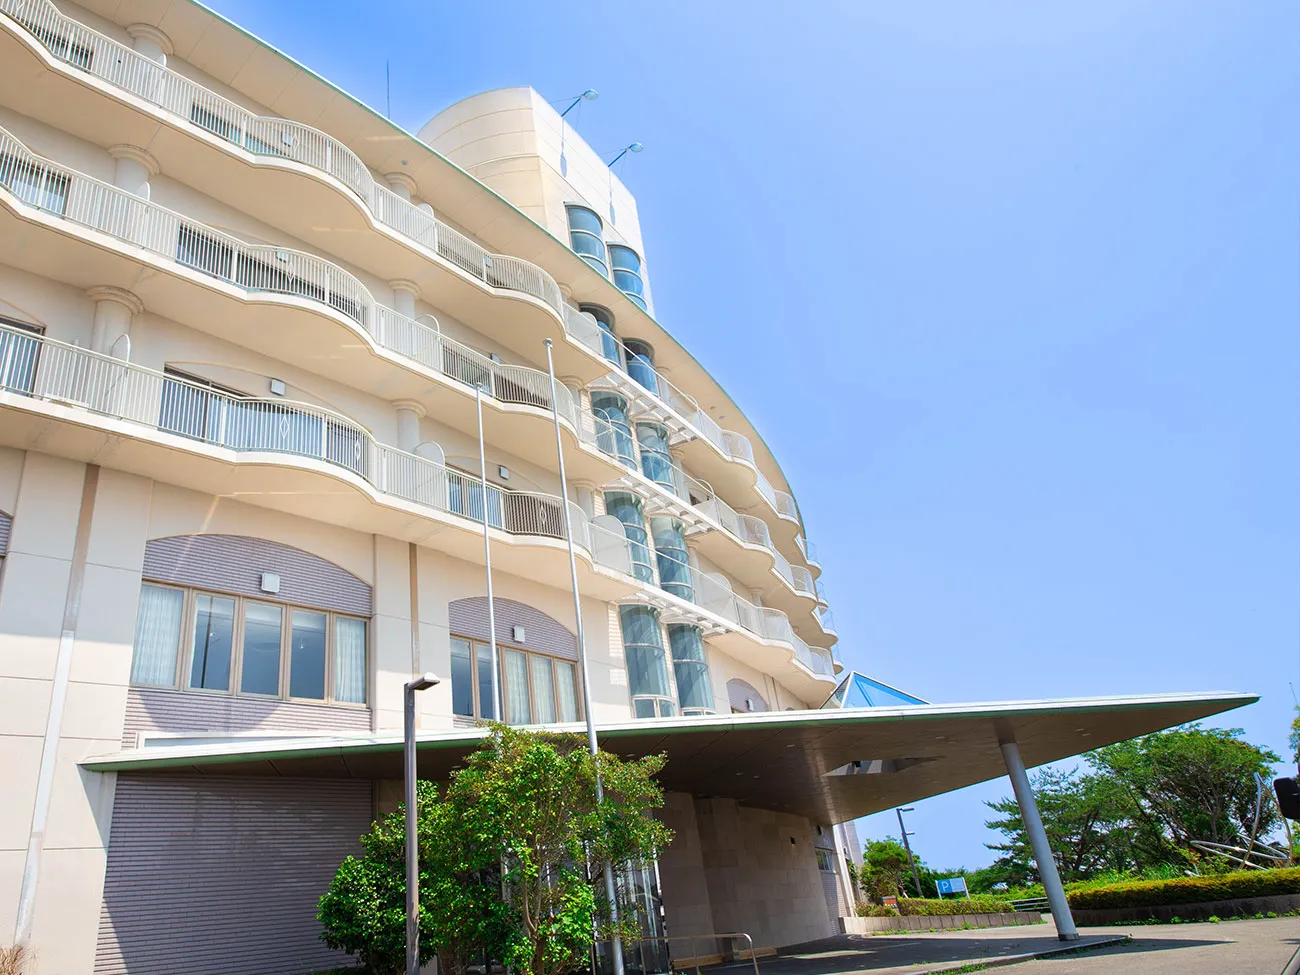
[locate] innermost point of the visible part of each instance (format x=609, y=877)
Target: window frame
x=503, y=680
x=601, y=263
x=185, y=647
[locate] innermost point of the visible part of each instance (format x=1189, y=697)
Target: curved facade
x=246, y=327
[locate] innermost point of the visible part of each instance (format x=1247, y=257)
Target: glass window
x=462, y=678
x=350, y=660
x=640, y=364
x=543, y=689
x=260, y=666
x=157, y=636
x=647, y=668
x=514, y=667
x=536, y=688
x=237, y=645
x=673, y=558
x=214, y=640
x=585, y=237
x=566, y=688
x=609, y=344
x=307, y=655
x=627, y=509
x=487, y=706
x=627, y=272
x=694, y=688
x=613, y=432
x=20, y=350
x=656, y=461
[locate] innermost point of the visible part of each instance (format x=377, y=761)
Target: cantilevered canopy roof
x=829, y=765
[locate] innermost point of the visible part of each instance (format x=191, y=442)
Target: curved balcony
x=266, y=273
x=292, y=456
x=412, y=243
x=43, y=381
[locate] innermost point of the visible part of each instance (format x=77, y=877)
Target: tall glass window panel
x=307, y=655
x=656, y=461
x=627, y=272
x=260, y=666
x=647, y=668
x=20, y=350
x=214, y=637
x=349, y=660
x=673, y=557
x=514, y=666
x=694, y=687
x=566, y=687
x=157, y=636
x=462, y=678
x=641, y=364
x=543, y=689
x=609, y=344
x=627, y=509
x=487, y=708
x=586, y=237
x=614, y=434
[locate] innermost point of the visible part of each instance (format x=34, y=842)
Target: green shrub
x=1189, y=890
x=912, y=906
x=877, y=910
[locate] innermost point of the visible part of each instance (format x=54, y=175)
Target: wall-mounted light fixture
x=590, y=95
x=631, y=147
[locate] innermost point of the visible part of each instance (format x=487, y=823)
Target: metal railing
x=827, y=620
x=808, y=549
x=261, y=268
x=39, y=367
x=74, y=43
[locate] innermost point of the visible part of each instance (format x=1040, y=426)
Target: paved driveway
x=1229, y=948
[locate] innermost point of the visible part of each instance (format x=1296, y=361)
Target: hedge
x=1189, y=890
x=911, y=906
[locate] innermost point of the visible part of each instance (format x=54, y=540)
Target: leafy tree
x=885, y=868
x=1295, y=737
x=503, y=859
x=1083, y=815
x=1191, y=783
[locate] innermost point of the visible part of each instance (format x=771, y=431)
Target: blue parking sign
x=951, y=885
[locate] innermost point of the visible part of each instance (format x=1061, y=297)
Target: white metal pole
x=610, y=890
x=498, y=712
x=1061, y=915
x=412, y=817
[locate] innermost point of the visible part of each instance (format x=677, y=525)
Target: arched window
x=627, y=272
x=585, y=237
x=614, y=433
x=609, y=344
x=672, y=557
x=641, y=365
x=656, y=461
x=627, y=509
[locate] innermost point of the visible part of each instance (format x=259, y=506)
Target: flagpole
x=610, y=890
x=498, y=713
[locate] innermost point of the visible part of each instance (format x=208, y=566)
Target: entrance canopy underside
x=831, y=766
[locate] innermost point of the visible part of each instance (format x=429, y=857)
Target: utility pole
x=911, y=861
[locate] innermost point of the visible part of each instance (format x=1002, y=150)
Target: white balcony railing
x=88, y=50
x=260, y=268
x=42, y=368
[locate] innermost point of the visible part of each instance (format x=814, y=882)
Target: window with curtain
x=220, y=643
x=536, y=688
x=647, y=667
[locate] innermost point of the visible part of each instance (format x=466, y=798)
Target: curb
x=1001, y=960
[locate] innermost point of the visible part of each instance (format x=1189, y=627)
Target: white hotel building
x=243, y=319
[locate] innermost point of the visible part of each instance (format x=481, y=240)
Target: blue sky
x=1012, y=290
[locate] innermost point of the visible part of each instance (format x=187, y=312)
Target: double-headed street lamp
x=422, y=683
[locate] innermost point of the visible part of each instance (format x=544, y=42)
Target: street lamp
x=632, y=147
x=422, y=683
x=916, y=877
x=590, y=95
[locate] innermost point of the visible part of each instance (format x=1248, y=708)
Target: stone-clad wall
x=761, y=873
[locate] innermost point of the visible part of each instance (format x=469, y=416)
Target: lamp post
x=421, y=683
x=611, y=891
x=591, y=94
x=911, y=861
x=630, y=147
